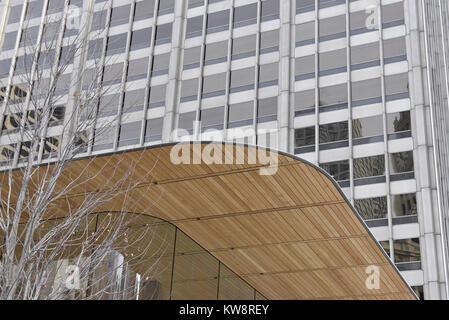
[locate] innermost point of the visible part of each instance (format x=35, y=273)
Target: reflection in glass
x=334, y=132
x=401, y=162
x=406, y=250
x=304, y=137
x=369, y=166
x=367, y=127
x=339, y=170
x=372, y=208
x=404, y=205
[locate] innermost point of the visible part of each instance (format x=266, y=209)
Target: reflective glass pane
x=372, y=208
x=304, y=137
x=367, y=127
x=401, y=162
x=339, y=170
x=404, y=205
x=369, y=166
x=334, y=132
x=406, y=250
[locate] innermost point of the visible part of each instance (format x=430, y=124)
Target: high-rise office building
x=358, y=87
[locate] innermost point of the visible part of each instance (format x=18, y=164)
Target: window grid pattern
x=239, y=18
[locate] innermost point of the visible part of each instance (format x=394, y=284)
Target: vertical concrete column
x=284, y=75
x=174, y=71
x=423, y=148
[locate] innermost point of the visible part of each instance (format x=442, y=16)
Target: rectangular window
x=7, y=154
x=372, y=208
x=218, y=21
x=244, y=47
x=163, y=33
x=166, y=6
x=269, y=10
x=195, y=3
x=369, y=166
x=189, y=90
x=104, y=138
x=63, y=85
x=329, y=3
x=161, y=64
x=366, y=92
x=120, y=15
x=95, y=49
x=90, y=79
x=144, y=10
x=396, y=86
x=245, y=15
x=194, y=27
x=240, y=114
x=339, y=170
x=269, y=41
x=305, y=6
x=332, y=62
x=134, y=100
x=34, y=9
x=335, y=96
x=9, y=41
x=268, y=74
x=157, y=96
x=129, y=133
x=214, y=85
x=404, y=205
x=304, y=102
x=367, y=127
x=242, y=80
x=14, y=14
x=216, y=52
x=51, y=147
x=401, y=162
x=212, y=119
x=406, y=250
x=29, y=36
x=398, y=122
x=112, y=74
x=331, y=132
x=357, y=22
x=153, y=130
x=304, y=68
x=57, y=116
x=116, y=44
x=267, y=109
x=395, y=50
x=25, y=149
x=137, y=69
x=140, y=39
x=185, y=123
x=24, y=64
x=99, y=20
x=46, y=59
x=192, y=57
x=393, y=14
x=365, y=56
x=304, y=137
x=68, y=54
x=80, y=142
x=50, y=33
x=109, y=105
x=11, y=122
x=332, y=28
x=305, y=33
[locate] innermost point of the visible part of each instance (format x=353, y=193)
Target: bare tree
x=51, y=246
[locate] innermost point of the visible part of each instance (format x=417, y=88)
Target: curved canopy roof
x=291, y=234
